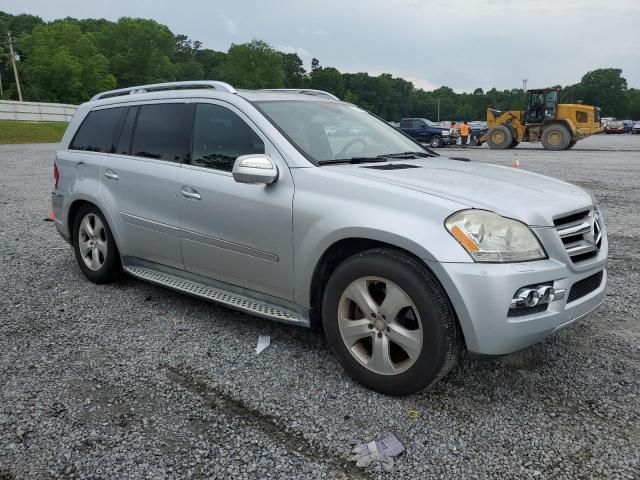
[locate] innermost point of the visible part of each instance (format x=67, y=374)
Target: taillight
x=56, y=176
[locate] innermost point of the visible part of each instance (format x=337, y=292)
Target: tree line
x=69, y=60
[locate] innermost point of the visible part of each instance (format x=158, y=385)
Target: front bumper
x=481, y=295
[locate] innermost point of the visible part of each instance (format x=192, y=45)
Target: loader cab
x=542, y=105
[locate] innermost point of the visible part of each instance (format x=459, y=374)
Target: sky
x=463, y=44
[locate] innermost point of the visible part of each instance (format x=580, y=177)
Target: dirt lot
x=133, y=381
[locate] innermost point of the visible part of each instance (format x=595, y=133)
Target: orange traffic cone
x=516, y=163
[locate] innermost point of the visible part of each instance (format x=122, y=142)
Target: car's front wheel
x=436, y=141
x=390, y=323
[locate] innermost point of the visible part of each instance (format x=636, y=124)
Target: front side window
x=160, y=132
x=357, y=133
x=220, y=136
x=97, y=132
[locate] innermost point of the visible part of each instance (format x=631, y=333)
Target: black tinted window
x=160, y=132
x=97, y=132
x=220, y=136
x=124, y=142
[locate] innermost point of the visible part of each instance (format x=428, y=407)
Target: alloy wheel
x=380, y=325
x=92, y=241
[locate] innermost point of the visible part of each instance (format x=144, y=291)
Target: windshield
x=326, y=131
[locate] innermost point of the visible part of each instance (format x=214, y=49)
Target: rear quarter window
x=97, y=131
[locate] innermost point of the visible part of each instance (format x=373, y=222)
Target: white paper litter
x=263, y=342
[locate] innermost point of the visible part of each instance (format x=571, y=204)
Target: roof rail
x=156, y=87
x=306, y=91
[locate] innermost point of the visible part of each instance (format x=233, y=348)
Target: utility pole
x=13, y=62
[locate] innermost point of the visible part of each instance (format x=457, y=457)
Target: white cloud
x=302, y=53
x=229, y=24
x=421, y=83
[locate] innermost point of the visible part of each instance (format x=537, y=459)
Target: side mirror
x=256, y=168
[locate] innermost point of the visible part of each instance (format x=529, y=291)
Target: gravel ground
x=130, y=380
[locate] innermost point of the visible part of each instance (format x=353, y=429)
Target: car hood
x=529, y=197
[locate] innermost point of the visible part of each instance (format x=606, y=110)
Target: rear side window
x=160, y=132
x=220, y=136
x=97, y=132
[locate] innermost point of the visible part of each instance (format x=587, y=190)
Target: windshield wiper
x=407, y=155
x=379, y=158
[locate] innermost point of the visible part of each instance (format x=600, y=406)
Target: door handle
x=110, y=174
x=189, y=192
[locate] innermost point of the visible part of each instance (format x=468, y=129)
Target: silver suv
x=297, y=207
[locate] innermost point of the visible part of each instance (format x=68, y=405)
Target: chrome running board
x=218, y=295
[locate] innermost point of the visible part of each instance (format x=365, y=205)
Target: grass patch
x=31, y=132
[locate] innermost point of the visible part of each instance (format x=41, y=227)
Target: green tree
x=329, y=80
x=139, y=50
x=184, y=59
x=295, y=76
x=211, y=61
x=17, y=25
x=62, y=64
x=605, y=88
x=253, y=65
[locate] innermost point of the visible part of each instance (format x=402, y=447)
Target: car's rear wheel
x=390, y=323
x=95, y=248
x=436, y=141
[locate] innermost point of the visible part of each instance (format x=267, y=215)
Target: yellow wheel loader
x=557, y=126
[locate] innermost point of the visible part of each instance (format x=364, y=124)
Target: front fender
x=403, y=218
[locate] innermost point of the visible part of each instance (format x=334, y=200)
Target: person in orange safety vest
x=465, y=131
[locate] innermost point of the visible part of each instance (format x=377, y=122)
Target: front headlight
x=446, y=132
x=489, y=237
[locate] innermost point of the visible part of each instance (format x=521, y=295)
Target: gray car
x=402, y=256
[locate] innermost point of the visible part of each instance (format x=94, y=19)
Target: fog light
x=535, y=295
x=547, y=294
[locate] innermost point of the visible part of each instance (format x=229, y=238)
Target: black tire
x=110, y=268
x=514, y=144
x=500, y=137
x=572, y=144
x=556, y=137
x=442, y=339
x=436, y=141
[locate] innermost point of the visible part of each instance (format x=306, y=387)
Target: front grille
x=580, y=233
x=585, y=287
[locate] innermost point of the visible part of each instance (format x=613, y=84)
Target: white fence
x=36, y=112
